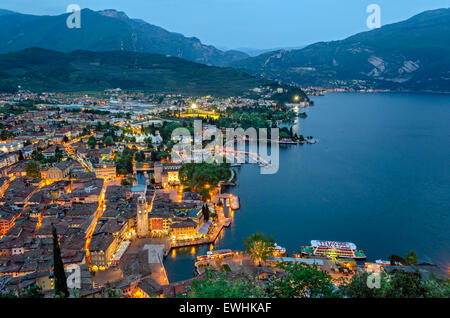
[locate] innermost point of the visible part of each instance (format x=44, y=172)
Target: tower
x=142, y=217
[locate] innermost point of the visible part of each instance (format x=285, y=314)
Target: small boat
x=216, y=254
x=286, y=141
x=382, y=262
x=278, y=251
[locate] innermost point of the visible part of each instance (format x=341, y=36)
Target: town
x=93, y=172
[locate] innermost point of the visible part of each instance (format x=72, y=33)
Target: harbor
x=312, y=197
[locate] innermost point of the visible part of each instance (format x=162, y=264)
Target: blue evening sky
x=247, y=23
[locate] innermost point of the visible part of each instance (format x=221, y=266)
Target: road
x=71, y=153
x=98, y=213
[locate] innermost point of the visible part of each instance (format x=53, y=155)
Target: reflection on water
x=379, y=177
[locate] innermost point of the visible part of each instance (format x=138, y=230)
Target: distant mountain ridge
x=41, y=70
x=255, y=52
x=107, y=30
x=408, y=55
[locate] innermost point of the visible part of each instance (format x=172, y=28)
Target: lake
x=379, y=177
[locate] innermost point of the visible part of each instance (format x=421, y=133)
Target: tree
x=84, y=132
x=221, y=285
x=205, y=212
x=140, y=156
x=124, y=162
x=37, y=155
x=32, y=292
x=127, y=181
x=58, y=268
x=113, y=293
x=149, y=142
x=406, y=285
x=92, y=142
x=302, y=280
x=205, y=196
x=5, y=134
x=201, y=176
x=7, y=295
x=109, y=141
x=411, y=258
x=358, y=287
x=259, y=246
x=437, y=288
x=33, y=170
x=58, y=153
x=98, y=126
x=397, y=284
x=397, y=260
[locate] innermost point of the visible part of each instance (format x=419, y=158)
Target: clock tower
x=142, y=217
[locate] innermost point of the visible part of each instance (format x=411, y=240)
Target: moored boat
x=287, y=141
x=216, y=254
x=278, y=251
x=333, y=249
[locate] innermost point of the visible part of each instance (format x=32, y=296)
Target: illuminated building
x=8, y=159
x=184, y=230
x=59, y=171
x=142, y=217
x=105, y=170
x=101, y=249
x=167, y=174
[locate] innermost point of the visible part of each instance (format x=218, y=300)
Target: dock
x=208, y=240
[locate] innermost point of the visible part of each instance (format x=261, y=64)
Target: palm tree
x=259, y=247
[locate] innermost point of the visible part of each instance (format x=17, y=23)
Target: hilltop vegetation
x=40, y=70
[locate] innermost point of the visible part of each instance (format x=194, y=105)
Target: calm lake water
x=379, y=177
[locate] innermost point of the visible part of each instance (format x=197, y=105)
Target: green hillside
x=45, y=70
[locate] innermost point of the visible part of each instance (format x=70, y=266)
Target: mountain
x=409, y=55
x=107, y=30
x=40, y=70
x=255, y=52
